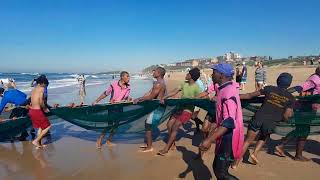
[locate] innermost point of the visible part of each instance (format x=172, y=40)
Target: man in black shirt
x=277, y=106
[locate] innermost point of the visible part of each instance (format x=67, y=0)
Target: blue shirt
x=201, y=85
x=12, y=96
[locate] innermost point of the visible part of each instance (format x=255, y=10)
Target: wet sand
x=72, y=154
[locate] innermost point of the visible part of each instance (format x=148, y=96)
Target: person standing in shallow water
x=37, y=109
x=229, y=133
x=82, y=88
x=157, y=91
x=119, y=92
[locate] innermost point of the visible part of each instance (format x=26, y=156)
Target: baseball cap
x=224, y=68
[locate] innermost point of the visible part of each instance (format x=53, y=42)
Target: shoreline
x=73, y=154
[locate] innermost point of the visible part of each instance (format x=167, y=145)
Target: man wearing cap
x=310, y=87
x=229, y=133
x=189, y=90
x=277, y=106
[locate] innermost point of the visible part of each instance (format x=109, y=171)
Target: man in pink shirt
x=118, y=91
x=229, y=134
x=310, y=87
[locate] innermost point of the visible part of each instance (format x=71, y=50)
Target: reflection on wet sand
x=25, y=162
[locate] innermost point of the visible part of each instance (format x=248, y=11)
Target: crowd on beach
x=226, y=128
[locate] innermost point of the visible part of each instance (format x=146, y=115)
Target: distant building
x=184, y=64
x=220, y=58
x=260, y=58
x=232, y=57
x=193, y=62
x=207, y=62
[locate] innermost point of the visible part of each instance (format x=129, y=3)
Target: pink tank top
x=312, y=85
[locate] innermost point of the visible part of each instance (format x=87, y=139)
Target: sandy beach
x=73, y=155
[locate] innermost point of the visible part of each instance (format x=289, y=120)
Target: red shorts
x=183, y=117
x=39, y=120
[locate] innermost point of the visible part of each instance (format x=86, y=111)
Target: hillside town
x=235, y=58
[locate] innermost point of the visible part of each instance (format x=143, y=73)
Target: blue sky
x=95, y=36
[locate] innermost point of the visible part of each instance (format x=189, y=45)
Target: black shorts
x=264, y=126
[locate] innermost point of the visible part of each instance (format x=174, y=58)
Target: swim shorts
x=183, y=116
x=244, y=80
x=38, y=118
x=154, y=118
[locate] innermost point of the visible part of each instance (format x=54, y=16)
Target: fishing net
x=305, y=121
x=130, y=118
x=125, y=117
x=9, y=129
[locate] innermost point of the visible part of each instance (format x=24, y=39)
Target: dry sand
x=74, y=156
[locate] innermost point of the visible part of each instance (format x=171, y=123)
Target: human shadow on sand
x=195, y=165
x=311, y=146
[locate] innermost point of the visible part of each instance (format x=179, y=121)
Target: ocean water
x=64, y=88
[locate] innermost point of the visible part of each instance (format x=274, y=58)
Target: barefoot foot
x=162, y=152
x=147, y=150
x=37, y=144
x=110, y=144
x=279, y=151
x=254, y=159
x=301, y=158
x=99, y=144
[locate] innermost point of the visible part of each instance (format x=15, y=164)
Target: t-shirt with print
x=276, y=101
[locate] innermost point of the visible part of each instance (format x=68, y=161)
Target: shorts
x=244, y=80
x=154, y=118
x=183, y=116
x=264, y=126
x=260, y=82
x=38, y=118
